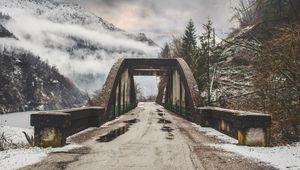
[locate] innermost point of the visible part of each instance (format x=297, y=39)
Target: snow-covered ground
x=15, y=134
x=23, y=155
x=18, y=158
x=282, y=157
x=214, y=133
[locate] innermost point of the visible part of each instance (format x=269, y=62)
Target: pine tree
x=189, y=42
x=165, y=53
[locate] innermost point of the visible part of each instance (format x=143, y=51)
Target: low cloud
x=163, y=18
x=57, y=44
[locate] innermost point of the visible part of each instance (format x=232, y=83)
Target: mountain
x=5, y=33
x=48, y=48
x=27, y=83
x=81, y=45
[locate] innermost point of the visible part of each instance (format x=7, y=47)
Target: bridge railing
x=52, y=128
x=185, y=112
x=249, y=128
x=115, y=112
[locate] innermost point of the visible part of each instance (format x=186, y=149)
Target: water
x=19, y=119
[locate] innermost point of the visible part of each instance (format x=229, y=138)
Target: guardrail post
x=252, y=129
x=50, y=129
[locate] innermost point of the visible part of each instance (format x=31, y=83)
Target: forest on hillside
x=255, y=68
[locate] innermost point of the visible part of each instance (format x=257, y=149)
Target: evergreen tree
x=189, y=42
x=165, y=53
x=197, y=57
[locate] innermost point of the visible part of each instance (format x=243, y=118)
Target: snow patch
x=282, y=157
x=214, y=133
x=81, y=132
x=111, y=122
x=15, y=134
x=18, y=158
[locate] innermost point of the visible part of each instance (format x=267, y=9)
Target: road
x=157, y=140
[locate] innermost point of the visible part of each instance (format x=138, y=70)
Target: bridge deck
x=156, y=141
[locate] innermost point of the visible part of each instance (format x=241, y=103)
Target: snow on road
x=214, y=133
x=282, y=157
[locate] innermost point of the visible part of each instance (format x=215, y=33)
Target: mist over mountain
x=81, y=45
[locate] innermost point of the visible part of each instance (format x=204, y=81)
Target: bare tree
x=278, y=80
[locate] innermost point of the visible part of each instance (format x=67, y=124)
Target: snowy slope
x=80, y=44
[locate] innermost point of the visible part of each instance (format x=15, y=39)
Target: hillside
x=81, y=45
x=5, y=33
x=27, y=83
x=234, y=70
x=258, y=70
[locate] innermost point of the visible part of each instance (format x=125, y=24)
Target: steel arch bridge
x=178, y=90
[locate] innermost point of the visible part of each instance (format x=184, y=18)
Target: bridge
x=178, y=93
x=178, y=90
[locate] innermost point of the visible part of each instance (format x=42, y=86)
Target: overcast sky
x=162, y=18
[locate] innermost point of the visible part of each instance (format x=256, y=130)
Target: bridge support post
x=252, y=129
x=254, y=136
x=50, y=129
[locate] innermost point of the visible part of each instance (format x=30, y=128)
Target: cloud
x=57, y=43
x=163, y=18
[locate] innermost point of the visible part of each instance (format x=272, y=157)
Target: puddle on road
x=116, y=132
x=131, y=121
x=160, y=114
x=170, y=136
x=169, y=130
x=158, y=110
x=164, y=121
